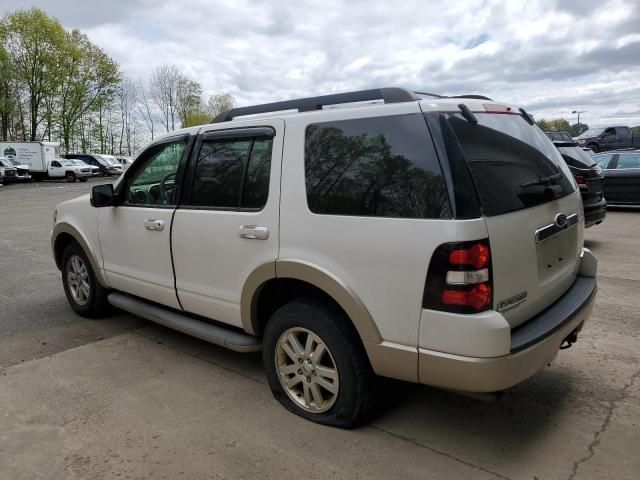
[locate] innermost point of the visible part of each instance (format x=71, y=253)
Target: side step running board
x=223, y=337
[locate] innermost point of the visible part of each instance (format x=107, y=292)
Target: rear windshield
x=576, y=157
x=513, y=164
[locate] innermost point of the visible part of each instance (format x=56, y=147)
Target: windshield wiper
x=550, y=180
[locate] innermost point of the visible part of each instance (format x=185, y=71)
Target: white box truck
x=43, y=159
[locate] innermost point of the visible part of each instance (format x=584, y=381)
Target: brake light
x=459, y=278
x=580, y=180
x=477, y=256
x=477, y=298
x=496, y=108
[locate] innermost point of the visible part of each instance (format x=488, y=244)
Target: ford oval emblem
x=560, y=220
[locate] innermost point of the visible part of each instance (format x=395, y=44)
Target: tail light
x=460, y=278
x=580, y=180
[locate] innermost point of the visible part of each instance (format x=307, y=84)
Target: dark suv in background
x=105, y=167
x=589, y=177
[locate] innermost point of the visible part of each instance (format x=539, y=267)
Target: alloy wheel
x=306, y=370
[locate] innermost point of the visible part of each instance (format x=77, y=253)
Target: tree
x=188, y=99
x=126, y=102
x=219, y=103
x=164, y=85
x=34, y=42
x=88, y=75
x=144, y=108
x=578, y=128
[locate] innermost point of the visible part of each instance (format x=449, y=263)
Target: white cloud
x=550, y=56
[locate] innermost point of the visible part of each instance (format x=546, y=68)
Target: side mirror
x=103, y=196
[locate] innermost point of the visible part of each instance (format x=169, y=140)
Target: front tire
x=84, y=294
x=316, y=365
x=594, y=147
x=71, y=177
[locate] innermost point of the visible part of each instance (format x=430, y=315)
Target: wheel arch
x=63, y=234
x=302, y=276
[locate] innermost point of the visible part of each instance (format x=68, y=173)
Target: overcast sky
x=551, y=56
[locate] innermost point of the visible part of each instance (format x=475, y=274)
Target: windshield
x=67, y=163
x=4, y=163
x=15, y=163
x=109, y=159
x=592, y=132
x=513, y=164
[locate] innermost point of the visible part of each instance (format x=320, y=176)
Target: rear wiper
x=550, y=180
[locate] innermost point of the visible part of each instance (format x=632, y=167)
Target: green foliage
x=636, y=129
x=562, y=125
x=89, y=76
x=36, y=43
x=198, y=117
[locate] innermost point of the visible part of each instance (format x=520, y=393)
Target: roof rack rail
x=389, y=95
x=472, y=96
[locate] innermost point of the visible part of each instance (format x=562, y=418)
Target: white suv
x=384, y=232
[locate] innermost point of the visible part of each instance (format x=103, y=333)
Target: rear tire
x=84, y=294
x=334, y=387
x=71, y=177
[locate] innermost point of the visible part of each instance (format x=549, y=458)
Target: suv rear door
x=526, y=191
x=228, y=224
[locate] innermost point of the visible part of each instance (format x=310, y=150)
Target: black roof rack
x=389, y=95
x=471, y=96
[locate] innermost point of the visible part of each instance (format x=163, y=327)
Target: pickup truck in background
x=600, y=139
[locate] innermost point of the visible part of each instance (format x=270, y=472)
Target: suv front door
x=228, y=224
x=135, y=236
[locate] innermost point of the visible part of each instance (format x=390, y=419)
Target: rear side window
x=232, y=173
x=380, y=167
x=513, y=164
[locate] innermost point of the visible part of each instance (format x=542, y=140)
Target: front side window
x=232, y=173
x=374, y=167
x=154, y=183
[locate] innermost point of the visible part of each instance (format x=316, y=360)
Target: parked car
x=559, y=136
x=106, y=167
x=621, y=176
x=8, y=172
x=370, y=240
x=22, y=171
x=95, y=171
x=589, y=177
x=608, y=138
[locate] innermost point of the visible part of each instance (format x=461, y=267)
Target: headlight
x=598, y=169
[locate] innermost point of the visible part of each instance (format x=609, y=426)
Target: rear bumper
x=594, y=212
x=533, y=346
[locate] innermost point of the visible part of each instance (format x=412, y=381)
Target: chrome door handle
x=153, y=224
x=253, y=232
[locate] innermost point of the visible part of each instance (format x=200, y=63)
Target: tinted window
x=513, y=164
x=576, y=157
x=232, y=173
x=384, y=166
x=629, y=160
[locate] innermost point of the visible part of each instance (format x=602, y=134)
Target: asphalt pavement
x=122, y=398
